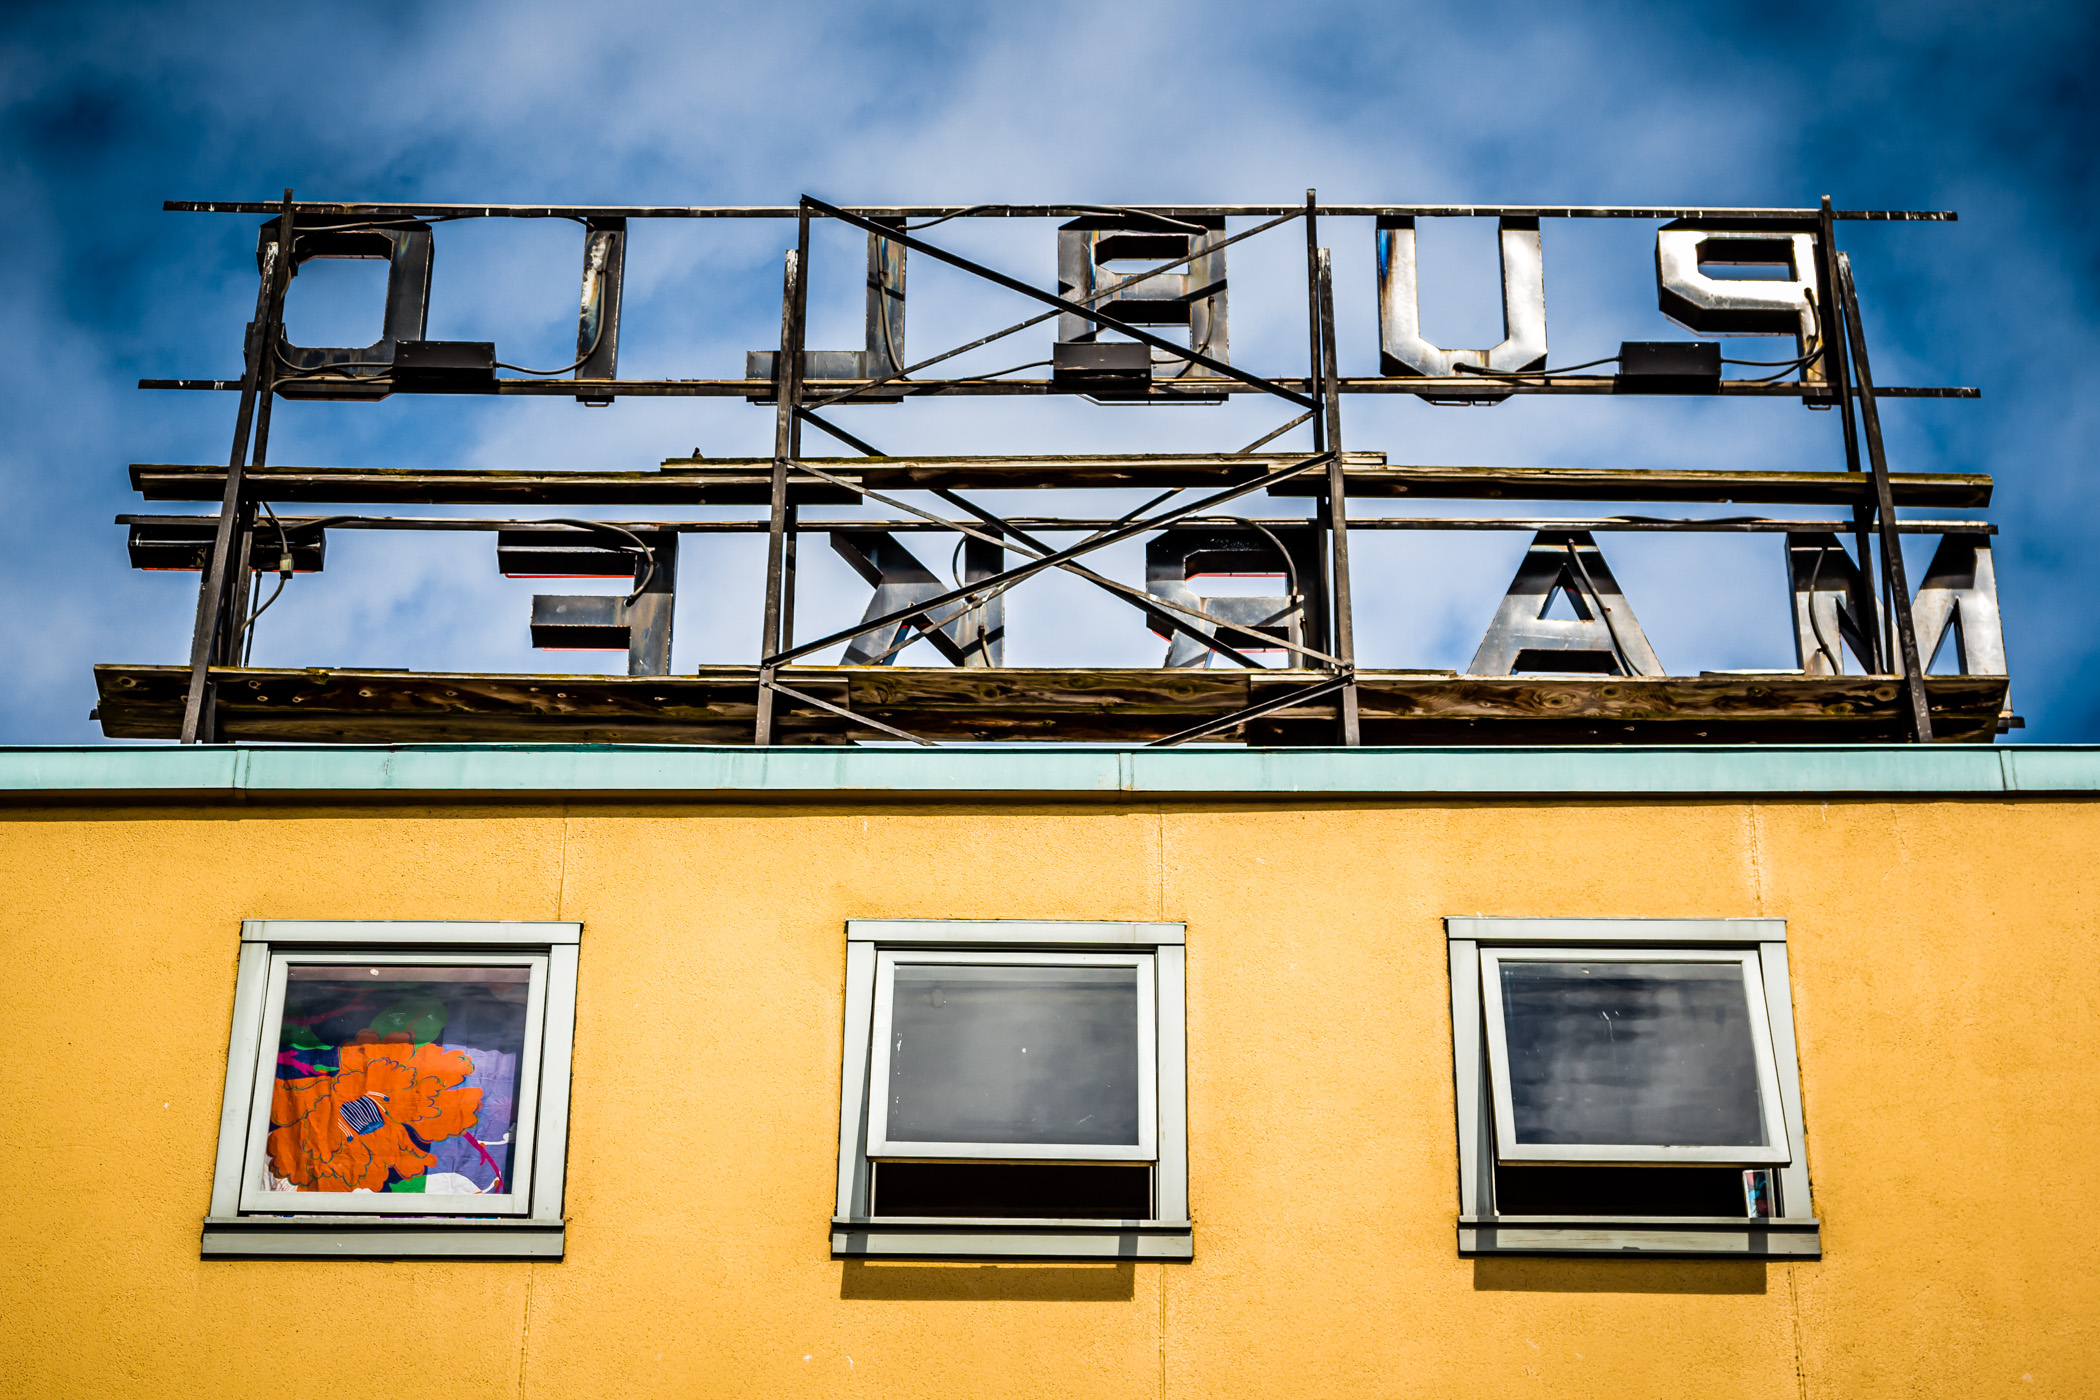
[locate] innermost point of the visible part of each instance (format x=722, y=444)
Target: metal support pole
x=1337, y=510
x=1892, y=572
x=1830, y=337
x=1312, y=317
x=787, y=443
x=788, y=541
x=228, y=571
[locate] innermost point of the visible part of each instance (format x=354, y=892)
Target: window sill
x=913, y=1237
x=1719, y=1236
x=335, y=1237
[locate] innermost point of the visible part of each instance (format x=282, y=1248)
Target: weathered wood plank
x=697, y=481
x=408, y=486
x=1130, y=469
x=1958, y=489
x=1112, y=706
x=748, y=481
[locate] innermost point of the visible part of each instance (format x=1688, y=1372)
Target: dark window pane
x=1014, y=1054
x=1619, y=1191
x=1634, y=1054
x=399, y=1079
x=1011, y=1189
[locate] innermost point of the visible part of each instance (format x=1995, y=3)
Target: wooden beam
x=718, y=705
x=1947, y=489
x=409, y=486
x=747, y=481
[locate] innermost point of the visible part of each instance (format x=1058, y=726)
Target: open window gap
x=1012, y=1190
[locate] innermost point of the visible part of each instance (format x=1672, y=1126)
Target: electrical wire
x=1531, y=373
x=284, y=576
x=1790, y=366
x=638, y=544
x=1295, y=602
x=1032, y=364
x=1815, y=354
x=596, y=336
x=1625, y=662
x=958, y=214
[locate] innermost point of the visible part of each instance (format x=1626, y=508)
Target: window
x=396, y=1090
x=1013, y=1090
x=1627, y=1085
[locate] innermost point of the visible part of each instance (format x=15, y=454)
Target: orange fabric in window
x=413, y=1087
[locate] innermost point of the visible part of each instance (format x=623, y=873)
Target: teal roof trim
x=52, y=774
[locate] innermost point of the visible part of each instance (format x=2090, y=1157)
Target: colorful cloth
x=373, y=1122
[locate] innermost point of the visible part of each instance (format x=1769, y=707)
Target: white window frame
x=882, y=1146
x=876, y=946
x=525, y=1222
x=1475, y=943
x=1773, y=1151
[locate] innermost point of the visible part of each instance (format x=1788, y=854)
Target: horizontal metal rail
x=308, y=210
x=1525, y=524
x=1195, y=390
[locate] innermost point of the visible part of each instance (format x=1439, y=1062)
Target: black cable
x=284, y=576
x=648, y=554
x=1815, y=624
x=903, y=227
x=596, y=336
x=1296, y=599
x=1815, y=354
x=1032, y=364
x=1532, y=373
x=1602, y=610
x=1803, y=363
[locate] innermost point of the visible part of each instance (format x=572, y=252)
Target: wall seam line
x=1793, y=1295
x=561, y=877
x=525, y=1331
x=1159, y=863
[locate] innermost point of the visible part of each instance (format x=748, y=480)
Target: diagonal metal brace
x=1036, y=566
x=1099, y=318
x=842, y=712
x=1239, y=717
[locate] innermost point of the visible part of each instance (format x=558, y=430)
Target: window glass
x=991, y=1054
x=397, y=1079
x=1651, y=1054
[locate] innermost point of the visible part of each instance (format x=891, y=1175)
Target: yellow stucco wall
x=1946, y=971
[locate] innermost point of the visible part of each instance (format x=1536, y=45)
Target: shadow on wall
x=1053, y=1283
x=1515, y=1275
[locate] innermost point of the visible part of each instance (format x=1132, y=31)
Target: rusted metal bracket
x=787, y=445
x=226, y=579
x=1898, y=589
x=1341, y=609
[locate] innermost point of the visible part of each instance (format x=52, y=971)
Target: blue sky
x=110, y=109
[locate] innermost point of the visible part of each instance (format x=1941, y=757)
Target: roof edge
x=100, y=772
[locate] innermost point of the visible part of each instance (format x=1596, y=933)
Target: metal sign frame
x=1834, y=373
